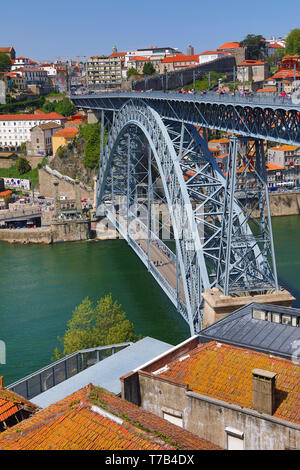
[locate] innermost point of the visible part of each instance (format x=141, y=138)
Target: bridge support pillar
x=217, y=305
x=93, y=116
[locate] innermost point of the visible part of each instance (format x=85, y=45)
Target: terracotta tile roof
x=181, y=58
x=118, y=54
x=267, y=90
x=273, y=166
x=285, y=148
x=223, y=371
x=5, y=193
x=251, y=62
x=215, y=52
x=230, y=45
x=5, y=49
x=222, y=140
x=139, y=58
x=69, y=132
x=94, y=419
x=30, y=117
x=11, y=402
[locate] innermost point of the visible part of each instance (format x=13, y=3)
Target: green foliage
x=256, y=48
x=20, y=106
x=12, y=172
x=23, y=147
x=276, y=57
x=5, y=63
x=148, y=69
x=22, y=165
x=131, y=72
x=64, y=107
x=91, y=135
x=293, y=42
x=203, y=84
x=96, y=325
x=42, y=163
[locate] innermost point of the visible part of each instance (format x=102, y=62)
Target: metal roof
x=241, y=329
x=106, y=373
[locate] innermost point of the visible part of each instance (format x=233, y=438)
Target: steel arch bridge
x=156, y=156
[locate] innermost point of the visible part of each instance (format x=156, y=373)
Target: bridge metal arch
x=188, y=249
x=205, y=259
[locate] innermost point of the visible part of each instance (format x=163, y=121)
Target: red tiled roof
x=267, y=90
x=251, y=62
x=181, y=58
x=214, y=52
x=273, y=166
x=230, y=45
x=68, y=132
x=11, y=402
x=137, y=58
x=286, y=74
x=5, y=49
x=5, y=193
x=276, y=46
x=118, y=54
x=30, y=117
x=224, y=372
x=113, y=424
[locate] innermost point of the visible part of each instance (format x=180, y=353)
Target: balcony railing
x=61, y=370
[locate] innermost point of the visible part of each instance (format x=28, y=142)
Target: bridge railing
x=260, y=99
x=55, y=373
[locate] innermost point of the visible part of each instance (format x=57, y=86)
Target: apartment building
x=252, y=70
x=15, y=128
x=104, y=72
x=236, y=384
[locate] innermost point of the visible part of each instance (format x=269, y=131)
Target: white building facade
x=15, y=128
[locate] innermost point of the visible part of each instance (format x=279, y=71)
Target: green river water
x=41, y=284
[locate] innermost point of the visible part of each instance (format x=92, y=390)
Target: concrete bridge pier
x=217, y=305
x=93, y=116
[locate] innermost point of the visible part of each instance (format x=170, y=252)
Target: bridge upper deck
x=260, y=100
x=258, y=116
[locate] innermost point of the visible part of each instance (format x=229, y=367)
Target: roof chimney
x=263, y=391
x=1, y=382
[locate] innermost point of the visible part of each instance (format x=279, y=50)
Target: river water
x=40, y=285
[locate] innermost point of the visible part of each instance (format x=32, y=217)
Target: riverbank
x=57, y=232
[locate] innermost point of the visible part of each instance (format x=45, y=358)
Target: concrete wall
x=285, y=204
x=74, y=230
x=32, y=235
x=208, y=417
x=184, y=77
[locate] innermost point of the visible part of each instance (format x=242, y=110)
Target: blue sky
x=46, y=30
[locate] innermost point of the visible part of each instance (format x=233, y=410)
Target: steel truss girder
x=273, y=123
x=247, y=259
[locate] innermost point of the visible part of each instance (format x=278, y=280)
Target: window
x=235, y=439
x=259, y=314
x=286, y=319
x=173, y=419
x=275, y=317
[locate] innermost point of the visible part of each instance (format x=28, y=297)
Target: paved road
x=162, y=262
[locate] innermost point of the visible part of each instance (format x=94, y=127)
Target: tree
x=22, y=165
x=256, y=47
x=148, y=69
x=5, y=63
x=90, y=133
x=132, y=71
x=96, y=325
x=276, y=57
x=292, y=46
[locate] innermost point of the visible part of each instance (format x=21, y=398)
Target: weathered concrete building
x=236, y=384
x=41, y=138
